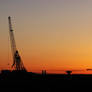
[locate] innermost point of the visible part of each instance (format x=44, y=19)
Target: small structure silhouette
x=43, y=72
x=68, y=72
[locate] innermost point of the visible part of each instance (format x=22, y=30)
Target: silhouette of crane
x=17, y=62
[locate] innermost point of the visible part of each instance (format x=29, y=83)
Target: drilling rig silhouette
x=17, y=61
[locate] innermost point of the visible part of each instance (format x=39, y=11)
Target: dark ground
x=29, y=82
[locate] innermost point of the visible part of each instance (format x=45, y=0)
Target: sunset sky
x=54, y=35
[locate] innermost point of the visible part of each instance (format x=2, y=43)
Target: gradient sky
x=50, y=34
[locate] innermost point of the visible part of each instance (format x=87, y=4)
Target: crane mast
x=17, y=62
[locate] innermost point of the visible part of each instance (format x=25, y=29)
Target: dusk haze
x=51, y=35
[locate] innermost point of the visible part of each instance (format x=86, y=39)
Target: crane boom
x=17, y=62
x=13, y=44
